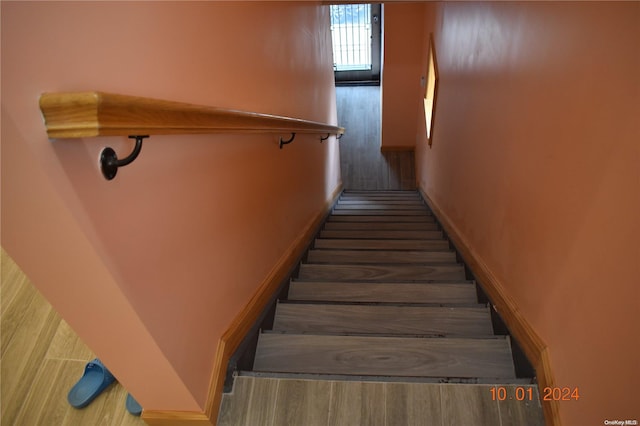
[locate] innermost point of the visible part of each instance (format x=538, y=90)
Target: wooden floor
x=363, y=165
x=270, y=401
x=41, y=359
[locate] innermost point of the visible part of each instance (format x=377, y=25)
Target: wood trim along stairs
x=398, y=148
x=533, y=346
x=239, y=327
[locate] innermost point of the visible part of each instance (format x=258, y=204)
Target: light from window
x=431, y=90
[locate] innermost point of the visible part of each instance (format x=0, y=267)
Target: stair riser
x=383, y=292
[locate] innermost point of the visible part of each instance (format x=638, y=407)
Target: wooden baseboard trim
x=397, y=148
x=532, y=345
x=545, y=380
x=176, y=418
x=239, y=327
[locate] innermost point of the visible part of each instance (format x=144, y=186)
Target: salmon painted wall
x=536, y=160
x=402, y=97
x=151, y=268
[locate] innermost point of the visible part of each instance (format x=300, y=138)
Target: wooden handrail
x=87, y=114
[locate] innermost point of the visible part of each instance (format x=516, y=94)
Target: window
x=355, y=33
x=431, y=92
x=351, y=36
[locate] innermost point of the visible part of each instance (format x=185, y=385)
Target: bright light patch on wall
x=431, y=90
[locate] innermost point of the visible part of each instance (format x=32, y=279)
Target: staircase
x=381, y=296
x=382, y=327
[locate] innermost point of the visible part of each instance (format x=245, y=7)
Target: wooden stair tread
x=379, y=256
x=380, y=206
x=382, y=234
x=410, y=273
x=377, y=244
x=381, y=212
x=361, y=202
x=380, y=218
x=381, y=295
x=386, y=196
x=381, y=319
x=387, y=356
x=397, y=194
x=383, y=292
x=381, y=226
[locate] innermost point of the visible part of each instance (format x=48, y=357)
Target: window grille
x=351, y=36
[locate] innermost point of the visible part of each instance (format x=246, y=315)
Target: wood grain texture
x=388, y=292
x=469, y=405
x=243, y=322
x=86, y=114
x=532, y=345
x=58, y=376
x=381, y=196
x=358, y=403
x=381, y=193
x=176, y=418
x=362, y=164
x=232, y=408
x=398, y=212
x=373, y=244
x=413, y=404
x=302, y=402
x=380, y=206
x=379, y=256
x=42, y=360
x=26, y=311
x=376, y=234
x=381, y=218
x=24, y=354
x=408, y=273
x=381, y=319
x=263, y=402
x=527, y=412
x=544, y=374
x=252, y=402
x=67, y=345
x=410, y=148
x=381, y=226
x=347, y=201
x=384, y=356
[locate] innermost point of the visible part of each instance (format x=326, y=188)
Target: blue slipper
x=95, y=379
x=132, y=405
